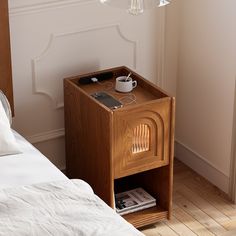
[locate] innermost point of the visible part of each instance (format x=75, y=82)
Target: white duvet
x=26, y=168
x=58, y=208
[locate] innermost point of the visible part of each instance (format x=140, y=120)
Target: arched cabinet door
x=142, y=138
x=5, y=53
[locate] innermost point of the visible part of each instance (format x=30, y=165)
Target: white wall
x=171, y=47
x=205, y=90
x=194, y=41
x=53, y=39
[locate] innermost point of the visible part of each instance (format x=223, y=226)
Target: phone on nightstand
x=107, y=100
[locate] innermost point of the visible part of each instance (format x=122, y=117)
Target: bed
x=36, y=198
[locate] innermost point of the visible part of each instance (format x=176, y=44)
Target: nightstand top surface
x=143, y=93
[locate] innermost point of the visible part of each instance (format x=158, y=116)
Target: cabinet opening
x=160, y=190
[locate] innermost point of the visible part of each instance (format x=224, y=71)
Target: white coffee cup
x=125, y=85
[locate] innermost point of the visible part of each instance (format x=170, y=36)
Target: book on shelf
x=133, y=200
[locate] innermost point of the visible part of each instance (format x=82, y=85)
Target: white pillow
x=6, y=106
x=8, y=144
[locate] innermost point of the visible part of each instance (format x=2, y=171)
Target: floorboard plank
x=230, y=225
x=229, y=233
x=203, y=204
x=190, y=222
x=159, y=229
x=179, y=228
x=198, y=214
x=199, y=208
x=198, y=185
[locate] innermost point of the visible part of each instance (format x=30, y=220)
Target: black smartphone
x=107, y=100
x=100, y=77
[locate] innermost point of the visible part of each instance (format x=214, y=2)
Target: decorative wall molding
x=34, y=11
x=134, y=42
x=32, y=6
x=42, y=85
x=202, y=166
x=45, y=136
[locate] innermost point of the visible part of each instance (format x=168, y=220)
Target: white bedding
x=28, y=167
x=59, y=208
x=36, y=199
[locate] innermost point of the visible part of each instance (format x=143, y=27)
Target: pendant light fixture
x=135, y=7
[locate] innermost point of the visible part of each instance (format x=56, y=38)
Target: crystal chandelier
x=135, y=7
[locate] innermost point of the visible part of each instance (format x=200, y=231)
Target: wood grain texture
x=199, y=208
x=88, y=142
x=190, y=222
x=171, y=155
x=5, y=54
x=163, y=230
x=157, y=116
x=182, y=229
x=146, y=217
x=99, y=142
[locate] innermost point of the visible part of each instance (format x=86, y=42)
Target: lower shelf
x=146, y=217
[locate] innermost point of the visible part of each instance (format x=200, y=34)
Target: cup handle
x=134, y=84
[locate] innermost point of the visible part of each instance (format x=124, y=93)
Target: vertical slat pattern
x=141, y=138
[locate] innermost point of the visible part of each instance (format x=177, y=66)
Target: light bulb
x=136, y=7
x=163, y=3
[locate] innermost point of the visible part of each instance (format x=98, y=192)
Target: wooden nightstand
x=118, y=150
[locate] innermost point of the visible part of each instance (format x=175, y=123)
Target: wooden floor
x=199, y=208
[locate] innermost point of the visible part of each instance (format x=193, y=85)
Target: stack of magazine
x=133, y=200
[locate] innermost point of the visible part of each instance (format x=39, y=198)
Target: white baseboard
x=202, y=167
